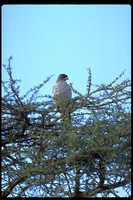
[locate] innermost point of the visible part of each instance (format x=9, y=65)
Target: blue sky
x=53, y=39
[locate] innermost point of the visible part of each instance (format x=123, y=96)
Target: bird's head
x=63, y=77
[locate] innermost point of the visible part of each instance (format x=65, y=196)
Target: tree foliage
x=45, y=154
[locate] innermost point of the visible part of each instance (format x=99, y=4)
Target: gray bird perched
x=61, y=91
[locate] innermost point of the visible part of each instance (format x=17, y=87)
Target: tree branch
x=9, y=189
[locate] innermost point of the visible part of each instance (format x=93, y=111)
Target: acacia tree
x=45, y=154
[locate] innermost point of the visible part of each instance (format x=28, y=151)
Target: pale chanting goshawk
x=61, y=91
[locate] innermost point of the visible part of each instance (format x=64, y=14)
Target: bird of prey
x=61, y=91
